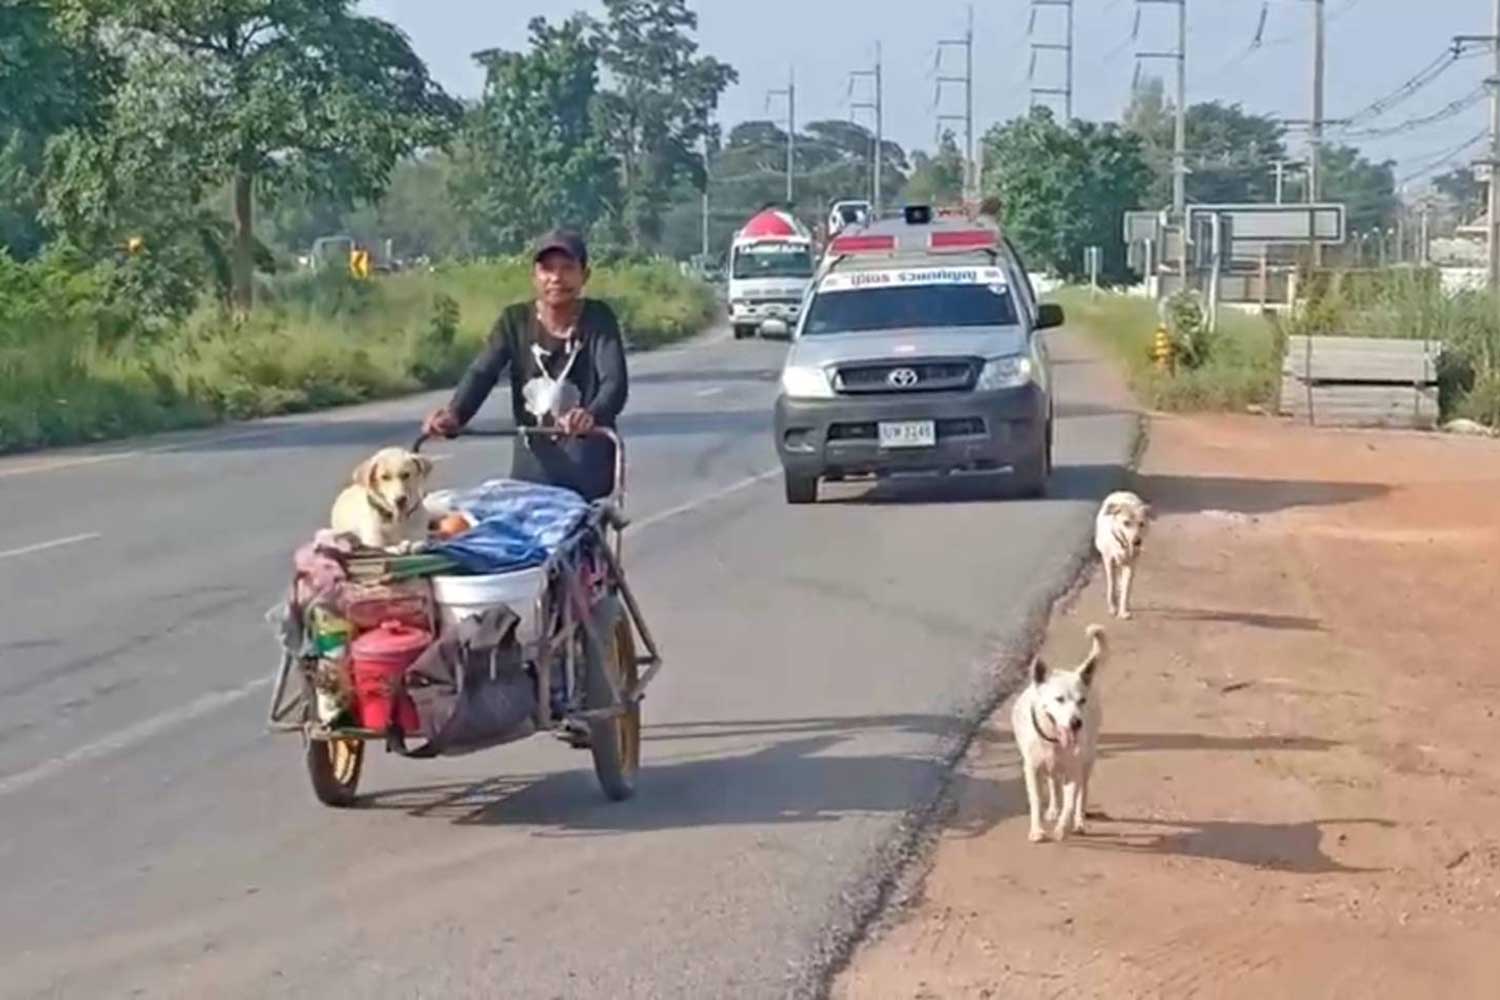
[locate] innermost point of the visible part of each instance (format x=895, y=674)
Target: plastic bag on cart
x=517, y=524
x=471, y=688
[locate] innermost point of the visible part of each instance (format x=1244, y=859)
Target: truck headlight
x=1010, y=372
x=805, y=383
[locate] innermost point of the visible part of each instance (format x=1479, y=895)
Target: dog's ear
x=364, y=474
x=1146, y=512
x=1111, y=508
x=1039, y=671
x=424, y=465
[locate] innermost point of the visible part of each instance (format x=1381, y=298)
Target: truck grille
x=913, y=376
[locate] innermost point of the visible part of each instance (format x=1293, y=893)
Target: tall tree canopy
x=535, y=156
x=1062, y=189
x=252, y=95
x=656, y=112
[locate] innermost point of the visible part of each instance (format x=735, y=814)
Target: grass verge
x=1241, y=362
x=76, y=367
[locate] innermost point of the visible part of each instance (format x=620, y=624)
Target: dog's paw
x=1037, y=836
x=1050, y=816
x=1061, y=833
x=1079, y=828
x=1124, y=615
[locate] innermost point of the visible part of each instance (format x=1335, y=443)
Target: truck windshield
x=776, y=260
x=876, y=309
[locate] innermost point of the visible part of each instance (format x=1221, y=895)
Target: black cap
x=566, y=241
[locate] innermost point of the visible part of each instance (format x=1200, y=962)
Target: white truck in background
x=771, y=263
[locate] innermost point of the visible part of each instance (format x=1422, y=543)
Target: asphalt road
x=155, y=841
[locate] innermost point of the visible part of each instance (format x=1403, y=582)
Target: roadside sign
x=1257, y=225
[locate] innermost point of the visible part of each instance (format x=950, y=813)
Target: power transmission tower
x=971, y=170
x=790, y=93
x=1065, y=47
x=1179, y=139
x=877, y=153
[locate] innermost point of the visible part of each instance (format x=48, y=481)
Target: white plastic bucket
x=461, y=597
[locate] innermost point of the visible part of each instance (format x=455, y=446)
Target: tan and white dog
x=383, y=505
x=1056, y=720
x=1119, y=532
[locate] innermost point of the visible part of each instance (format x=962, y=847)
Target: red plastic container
x=381, y=657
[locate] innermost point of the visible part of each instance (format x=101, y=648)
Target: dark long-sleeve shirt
x=598, y=372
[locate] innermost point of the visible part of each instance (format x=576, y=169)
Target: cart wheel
x=615, y=743
x=334, y=767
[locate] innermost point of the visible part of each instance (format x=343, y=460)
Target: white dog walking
x=1119, y=531
x=1056, y=721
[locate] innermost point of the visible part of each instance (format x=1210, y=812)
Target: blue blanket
x=518, y=525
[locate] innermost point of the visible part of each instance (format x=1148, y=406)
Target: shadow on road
x=804, y=775
x=1295, y=848
x=1254, y=619
x=1193, y=494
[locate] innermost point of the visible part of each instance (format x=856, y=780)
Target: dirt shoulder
x=1301, y=793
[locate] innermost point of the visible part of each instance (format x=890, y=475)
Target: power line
x=1450, y=110
x=1447, y=156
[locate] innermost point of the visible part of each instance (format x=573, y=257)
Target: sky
x=1374, y=46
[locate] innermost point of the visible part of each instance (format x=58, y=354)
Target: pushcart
x=591, y=642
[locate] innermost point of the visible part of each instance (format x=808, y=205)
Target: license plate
x=908, y=434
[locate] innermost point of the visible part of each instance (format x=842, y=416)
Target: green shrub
x=77, y=366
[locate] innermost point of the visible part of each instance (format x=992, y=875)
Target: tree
x=51, y=79
x=1062, y=189
x=937, y=179
x=1466, y=191
x=1367, y=189
x=533, y=154
x=253, y=96
x=657, y=110
x=1230, y=152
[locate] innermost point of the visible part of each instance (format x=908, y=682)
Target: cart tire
x=615, y=743
x=334, y=766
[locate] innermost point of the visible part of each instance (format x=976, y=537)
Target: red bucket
x=381, y=657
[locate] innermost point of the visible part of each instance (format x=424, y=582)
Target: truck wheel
x=801, y=489
x=1031, y=476
x=743, y=332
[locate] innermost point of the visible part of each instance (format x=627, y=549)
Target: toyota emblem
x=902, y=378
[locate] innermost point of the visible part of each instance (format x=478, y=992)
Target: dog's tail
x=1098, y=648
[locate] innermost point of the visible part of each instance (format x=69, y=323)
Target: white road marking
x=710, y=391
x=56, y=543
x=128, y=737
x=58, y=464
x=703, y=501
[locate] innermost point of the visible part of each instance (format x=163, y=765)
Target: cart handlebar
x=617, y=495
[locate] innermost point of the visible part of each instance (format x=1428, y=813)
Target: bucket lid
x=392, y=638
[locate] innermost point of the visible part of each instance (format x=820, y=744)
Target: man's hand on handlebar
x=576, y=422
x=441, y=423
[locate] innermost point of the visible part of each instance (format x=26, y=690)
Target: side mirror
x=1049, y=315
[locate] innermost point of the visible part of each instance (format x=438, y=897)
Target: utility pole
x=1065, y=47
x=1320, y=11
x=971, y=174
x=1179, y=137
x=877, y=158
x=705, y=199
x=1494, y=220
x=790, y=93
